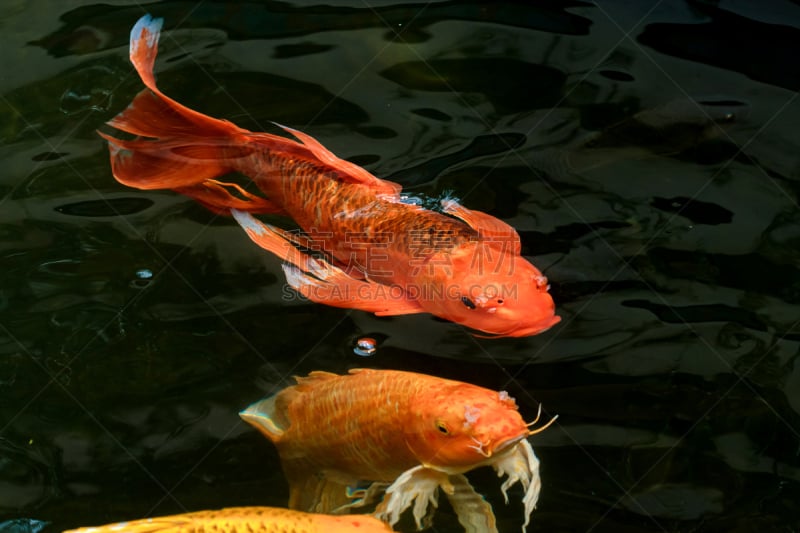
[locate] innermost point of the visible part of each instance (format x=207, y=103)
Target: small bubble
x=144, y=273
x=365, y=347
x=144, y=276
x=89, y=90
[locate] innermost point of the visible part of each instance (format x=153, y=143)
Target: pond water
x=647, y=153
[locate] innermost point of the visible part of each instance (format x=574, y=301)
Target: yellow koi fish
x=344, y=440
x=245, y=520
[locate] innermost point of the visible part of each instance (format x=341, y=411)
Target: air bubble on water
x=365, y=347
x=144, y=273
x=88, y=90
x=144, y=276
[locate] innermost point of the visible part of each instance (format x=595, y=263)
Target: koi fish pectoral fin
x=362, y=496
x=493, y=230
x=417, y=486
x=322, y=282
x=472, y=509
x=521, y=465
x=328, y=284
x=274, y=240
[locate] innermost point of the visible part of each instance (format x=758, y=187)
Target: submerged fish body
x=402, y=433
x=380, y=252
x=246, y=520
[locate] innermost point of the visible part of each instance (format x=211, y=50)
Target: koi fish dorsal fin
x=363, y=371
x=313, y=378
x=493, y=230
x=349, y=170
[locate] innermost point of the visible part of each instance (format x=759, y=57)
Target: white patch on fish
x=471, y=415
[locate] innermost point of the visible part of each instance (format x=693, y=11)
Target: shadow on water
x=658, y=194
x=763, y=55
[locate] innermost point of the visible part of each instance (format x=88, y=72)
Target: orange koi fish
x=344, y=440
x=246, y=520
x=382, y=251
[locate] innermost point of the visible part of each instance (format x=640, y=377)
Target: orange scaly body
x=246, y=520
x=382, y=252
x=411, y=432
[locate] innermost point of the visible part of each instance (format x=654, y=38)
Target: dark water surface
x=647, y=152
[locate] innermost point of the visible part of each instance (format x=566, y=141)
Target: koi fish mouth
x=508, y=443
x=490, y=452
x=503, y=445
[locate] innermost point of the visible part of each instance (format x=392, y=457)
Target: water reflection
x=457, y=75
x=718, y=41
x=88, y=29
x=22, y=525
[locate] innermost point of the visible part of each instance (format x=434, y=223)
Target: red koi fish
x=343, y=440
x=246, y=520
x=383, y=253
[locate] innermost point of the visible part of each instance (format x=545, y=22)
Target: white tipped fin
x=521, y=464
x=263, y=416
x=418, y=486
x=146, y=26
x=249, y=223
x=144, y=49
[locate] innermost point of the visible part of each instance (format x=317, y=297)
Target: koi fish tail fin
x=180, y=120
x=144, y=47
x=175, y=147
x=268, y=416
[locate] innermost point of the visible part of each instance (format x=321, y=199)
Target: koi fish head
x=460, y=426
x=502, y=295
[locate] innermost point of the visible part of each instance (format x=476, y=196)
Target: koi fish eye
x=442, y=428
x=469, y=303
